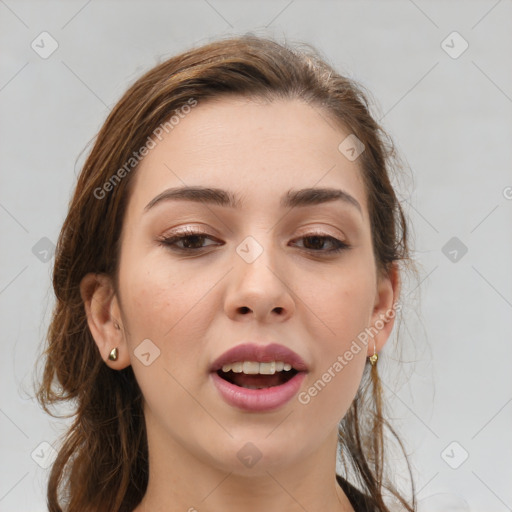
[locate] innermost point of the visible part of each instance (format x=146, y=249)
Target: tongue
x=241, y=379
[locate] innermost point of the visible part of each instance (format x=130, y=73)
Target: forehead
x=258, y=150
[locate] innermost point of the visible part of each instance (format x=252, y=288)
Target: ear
x=104, y=318
x=385, y=308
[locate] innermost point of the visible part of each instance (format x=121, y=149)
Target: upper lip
x=260, y=354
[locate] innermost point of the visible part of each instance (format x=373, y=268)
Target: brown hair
x=103, y=461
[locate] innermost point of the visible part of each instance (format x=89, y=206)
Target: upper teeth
x=253, y=367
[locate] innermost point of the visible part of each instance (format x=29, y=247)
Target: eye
x=191, y=240
x=317, y=241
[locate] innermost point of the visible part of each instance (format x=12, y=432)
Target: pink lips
x=259, y=400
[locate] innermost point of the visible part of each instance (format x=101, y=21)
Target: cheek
x=343, y=304
x=171, y=309
x=165, y=308
x=343, y=301
x=327, y=395
x=156, y=297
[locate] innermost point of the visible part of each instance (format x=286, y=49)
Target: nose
x=259, y=287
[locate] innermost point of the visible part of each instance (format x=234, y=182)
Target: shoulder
x=361, y=502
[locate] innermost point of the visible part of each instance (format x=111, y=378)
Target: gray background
x=450, y=118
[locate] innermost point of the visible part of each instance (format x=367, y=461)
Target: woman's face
x=264, y=271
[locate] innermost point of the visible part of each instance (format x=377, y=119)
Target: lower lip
x=264, y=399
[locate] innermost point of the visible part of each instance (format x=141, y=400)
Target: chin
x=245, y=457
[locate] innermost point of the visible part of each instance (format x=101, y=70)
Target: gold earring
x=113, y=354
x=374, y=357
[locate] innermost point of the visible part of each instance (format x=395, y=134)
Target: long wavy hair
x=102, y=462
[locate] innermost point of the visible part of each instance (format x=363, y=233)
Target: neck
x=180, y=480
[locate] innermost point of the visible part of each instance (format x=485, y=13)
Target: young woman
x=228, y=271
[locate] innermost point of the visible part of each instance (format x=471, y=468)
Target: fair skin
x=194, y=306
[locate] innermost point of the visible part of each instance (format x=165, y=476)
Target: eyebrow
x=225, y=198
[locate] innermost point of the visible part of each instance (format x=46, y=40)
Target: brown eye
x=190, y=241
x=316, y=243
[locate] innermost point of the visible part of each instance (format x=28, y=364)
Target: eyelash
x=188, y=233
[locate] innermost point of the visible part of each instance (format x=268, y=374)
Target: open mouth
x=257, y=381
x=259, y=386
